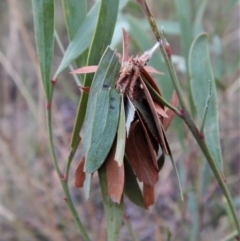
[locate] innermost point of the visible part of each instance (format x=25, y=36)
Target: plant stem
x=64, y=180
x=76, y=78
x=130, y=230
x=161, y=99
x=70, y=157
x=231, y=236
x=160, y=38
x=186, y=114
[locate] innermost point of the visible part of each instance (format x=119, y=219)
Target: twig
x=187, y=117
x=64, y=179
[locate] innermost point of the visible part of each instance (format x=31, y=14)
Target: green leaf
x=169, y=27
x=121, y=136
x=131, y=187
x=106, y=74
x=103, y=111
x=105, y=78
x=103, y=32
x=174, y=166
x=184, y=12
x=102, y=38
x=101, y=128
x=113, y=211
x=74, y=12
x=81, y=40
x=201, y=73
x=86, y=185
x=43, y=16
x=185, y=19
x=192, y=203
x=198, y=28
x=218, y=63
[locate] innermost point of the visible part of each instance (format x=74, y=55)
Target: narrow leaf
x=43, y=16
x=103, y=108
x=113, y=211
x=148, y=195
x=185, y=16
x=115, y=177
x=125, y=46
x=174, y=166
x=201, y=73
x=185, y=19
x=139, y=155
x=160, y=110
x=121, y=136
x=105, y=77
x=155, y=117
x=101, y=39
x=152, y=70
x=177, y=175
x=80, y=174
x=85, y=70
x=86, y=185
x=200, y=9
x=131, y=186
x=143, y=108
x=101, y=131
x=149, y=142
x=192, y=204
x=74, y=12
x=81, y=40
x=145, y=75
x=174, y=102
x=161, y=161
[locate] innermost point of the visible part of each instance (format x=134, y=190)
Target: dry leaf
x=155, y=116
x=115, y=176
x=125, y=45
x=139, y=155
x=149, y=142
x=160, y=110
x=85, y=89
x=85, y=70
x=174, y=102
x=80, y=174
x=152, y=70
x=150, y=80
x=148, y=195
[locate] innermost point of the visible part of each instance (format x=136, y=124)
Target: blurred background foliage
x=32, y=204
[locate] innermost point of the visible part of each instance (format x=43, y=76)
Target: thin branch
x=187, y=117
x=162, y=100
x=63, y=181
